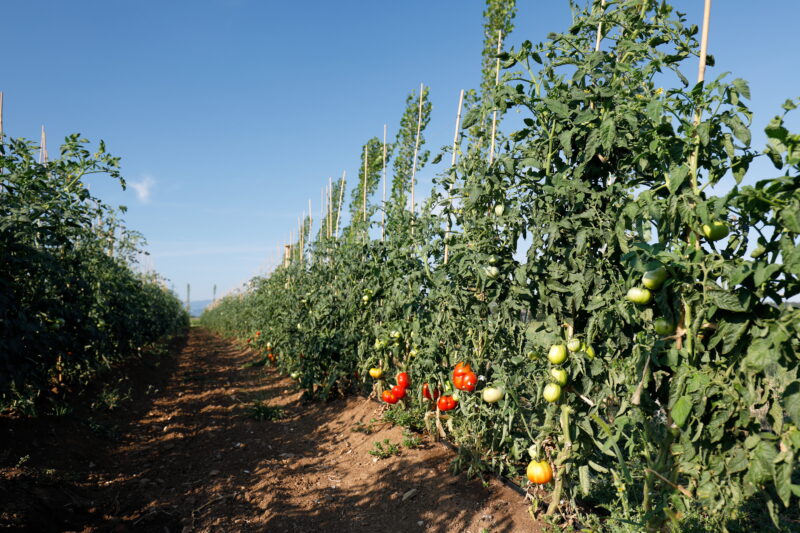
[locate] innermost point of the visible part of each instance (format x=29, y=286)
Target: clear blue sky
x=231, y=114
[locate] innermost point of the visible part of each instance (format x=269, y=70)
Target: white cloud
x=143, y=188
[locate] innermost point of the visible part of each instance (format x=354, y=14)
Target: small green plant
x=366, y=429
x=22, y=460
x=412, y=417
x=385, y=449
x=260, y=411
x=411, y=440
x=110, y=398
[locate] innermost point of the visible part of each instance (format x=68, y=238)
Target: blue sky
x=230, y=114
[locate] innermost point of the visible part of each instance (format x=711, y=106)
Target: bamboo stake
x=286, y=252
x=453, y=165
x=701, y=74
x=1, y=116
x=339, y=210
x=383, y=212
x=43, y=147
x=416, y=148
x=330, y=207
x=599, y=30
x=364, y=202
x=496, y=83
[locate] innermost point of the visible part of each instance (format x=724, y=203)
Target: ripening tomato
x=376, y=372
x=399, y=392
x=446, y=403
x=389, y=397
x=468, y=382
x=403, y=380
x=539, y=472
x=461, y=368
x=426, y=393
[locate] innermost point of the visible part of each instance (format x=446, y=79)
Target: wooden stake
x=383, y=212
x=1, y=116
x=599, y=30
x=496, y=83
x=416, y=148
x=453, y=166
x=364, y=202
x=330, y=207
x=701, y=74
x=339, y=210
x=310, y=218
x=43, y=147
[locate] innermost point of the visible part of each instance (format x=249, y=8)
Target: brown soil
x=183, y=455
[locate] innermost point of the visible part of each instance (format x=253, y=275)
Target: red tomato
x=399, y=392
x=258, y=333
x=426, y=393
x=446, y=403
x=466, y=381
x=461, y=369
x=388, y=397
x=403, y=380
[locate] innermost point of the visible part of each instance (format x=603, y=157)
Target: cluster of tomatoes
x=398, y=392
x=652, y=280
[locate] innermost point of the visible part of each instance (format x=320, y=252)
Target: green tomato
x=664, y=327
x=557, y=354
x=533, y=356
x=491, y=272
x=365, y=299
x=653, y=279
x=394, y=334
x=560, y=375
x=639, y=296
x=588, y=350
x=492, y=394
x=412, y=353
x=492, y=260
x=574, y=345
x=552, y=392
x=294, y=375
x=499, y=209
x=716, y=231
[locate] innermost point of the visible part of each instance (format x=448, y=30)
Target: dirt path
x=183, y=455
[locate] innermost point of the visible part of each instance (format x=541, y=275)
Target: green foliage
x=385, y=449
x=608, y=177
x=260, y=411
x=70, y=303
x=411, y=440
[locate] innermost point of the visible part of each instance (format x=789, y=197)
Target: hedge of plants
x=71, y=303
x=608, y=298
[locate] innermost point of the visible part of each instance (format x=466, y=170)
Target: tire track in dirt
x=189, y=458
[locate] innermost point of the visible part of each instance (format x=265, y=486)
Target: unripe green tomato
x=492, y=394
x=557, y=354
x=492, y=260
x=653, y=279
x=716, y=231
x=639, y=296
x=560, y=375
x=533, y=356
x=294, y=375
x=412, y=353
x=663, y=326
x=552, y=392
x=365, y=299
x=574, y=345
x=499, y=209
x=394, y=334
x=491, y=272
x=588, y=350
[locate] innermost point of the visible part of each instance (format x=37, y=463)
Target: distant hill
x=198, y=306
